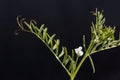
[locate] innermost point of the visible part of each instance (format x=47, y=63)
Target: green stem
x=71, y=78
x=83, y=59
x=79, y=66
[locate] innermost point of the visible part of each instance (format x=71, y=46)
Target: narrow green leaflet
x=51, y=40
x=92, y=64
x=72, y=65
x=73, y=54
x=44, y=33
x=66, y=55
x=84, y=43
x=66, y=61
x=62, y=53
x=29, y=26
x=56, y=46
x=40, y=30
x=35, y=29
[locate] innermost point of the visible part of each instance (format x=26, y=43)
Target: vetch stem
x=71, y=77
x=83, y=59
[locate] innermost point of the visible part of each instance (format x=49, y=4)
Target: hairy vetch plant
x=102, y=38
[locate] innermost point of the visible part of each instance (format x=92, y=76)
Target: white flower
x=109, y=39
x=79, y=51
x=96, y=39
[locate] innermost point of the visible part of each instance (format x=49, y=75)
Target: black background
x=24, y=57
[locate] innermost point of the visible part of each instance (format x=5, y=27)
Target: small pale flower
x=109, y=39
x=79, y=51
x=96, y=39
